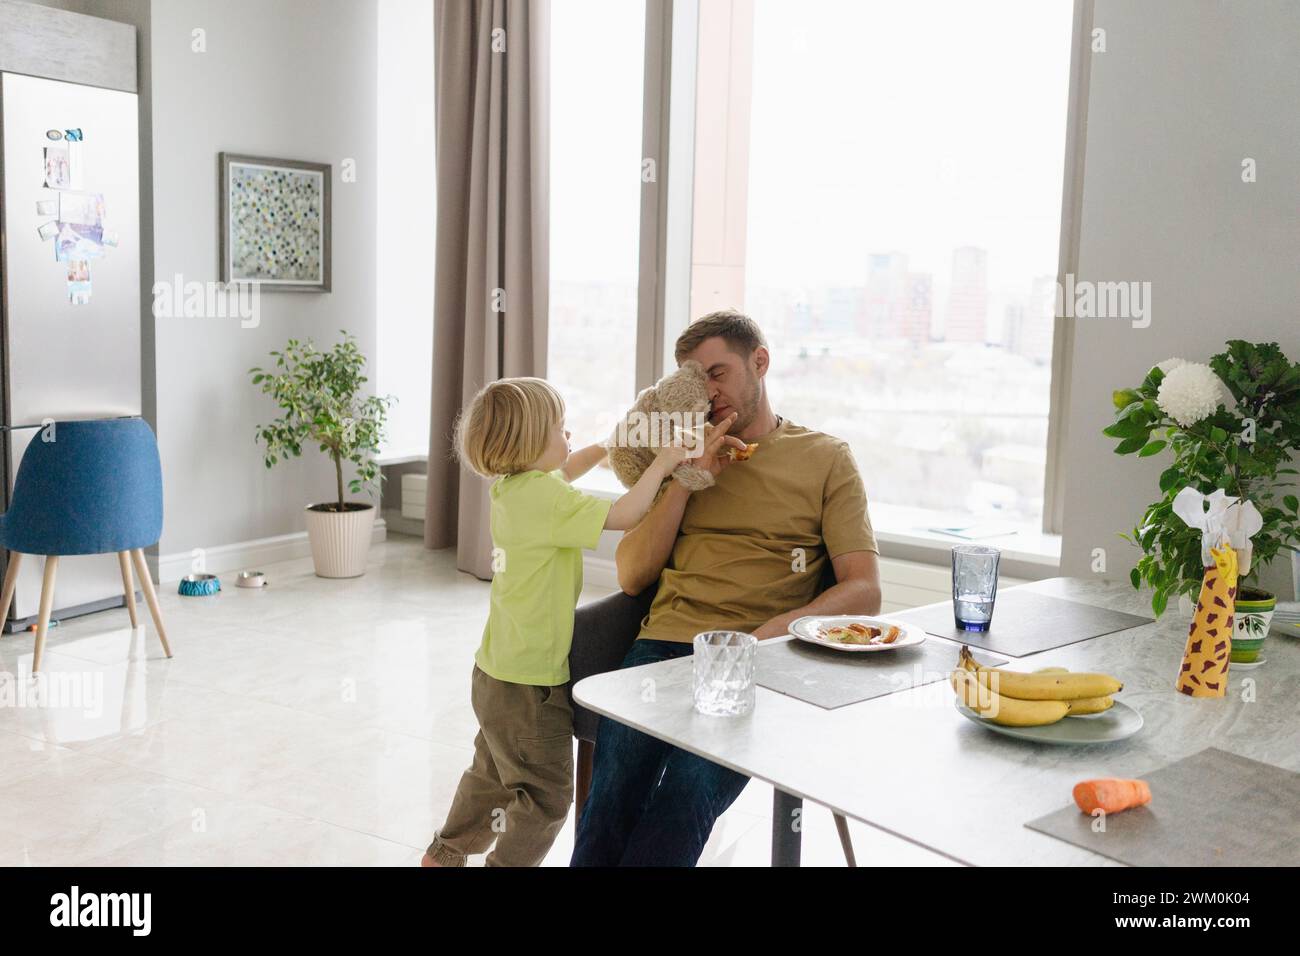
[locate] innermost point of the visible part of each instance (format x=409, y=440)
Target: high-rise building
x=845, y=310
x=886, y=286
x=968, y=296
x=1029, y=324
x=916, y=310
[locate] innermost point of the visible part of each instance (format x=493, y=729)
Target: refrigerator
x=69, y=291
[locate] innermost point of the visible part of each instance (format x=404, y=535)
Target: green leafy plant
x=320, y=396
x=1244, y=447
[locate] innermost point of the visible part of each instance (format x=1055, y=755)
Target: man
x=748, y=555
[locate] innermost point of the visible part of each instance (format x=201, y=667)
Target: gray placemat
x=831, y=679
x=1213, y=808
x=1026, y=623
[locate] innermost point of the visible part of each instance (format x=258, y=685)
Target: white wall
x=1185, y=91
x=292, y=79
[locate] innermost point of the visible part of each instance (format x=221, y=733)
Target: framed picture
x=275, y=223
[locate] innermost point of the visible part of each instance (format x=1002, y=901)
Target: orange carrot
x=1111, y=794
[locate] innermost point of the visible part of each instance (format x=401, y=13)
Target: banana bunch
x=1015, y=699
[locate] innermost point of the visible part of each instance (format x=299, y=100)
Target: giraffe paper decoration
x=1204, y=672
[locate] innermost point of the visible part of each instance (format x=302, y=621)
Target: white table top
x=910, y=765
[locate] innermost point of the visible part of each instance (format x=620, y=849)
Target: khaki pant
x=520, y=786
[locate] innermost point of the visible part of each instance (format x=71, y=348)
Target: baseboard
x=248, y=555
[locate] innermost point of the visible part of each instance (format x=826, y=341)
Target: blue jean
x=650, y=803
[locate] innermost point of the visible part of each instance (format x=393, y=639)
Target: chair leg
x=582, y=775
x=846, y=841
x=128, y=586
x=47, y=602
x=151, y=598
x=11, y=581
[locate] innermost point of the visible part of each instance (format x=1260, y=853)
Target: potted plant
x=320, y=396
x=1233, y=424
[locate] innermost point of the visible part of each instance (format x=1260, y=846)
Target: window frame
x=1076, y=140
x=667, y=206
x=664, y=278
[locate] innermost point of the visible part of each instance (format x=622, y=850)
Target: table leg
x=787, y=826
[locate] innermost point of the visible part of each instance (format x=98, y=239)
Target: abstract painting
x=275, y=223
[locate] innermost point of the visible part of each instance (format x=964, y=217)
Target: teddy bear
x=676, y=405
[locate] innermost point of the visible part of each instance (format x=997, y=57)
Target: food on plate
x=1041, y=685
x=1111, y=794
x=1016, y=699
x=1007, y=711
x=741, y=454
x=858, y=633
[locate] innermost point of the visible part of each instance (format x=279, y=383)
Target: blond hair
x=506, y=426
x=739, y=331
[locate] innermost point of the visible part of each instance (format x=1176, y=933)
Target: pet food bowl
x=199, y=585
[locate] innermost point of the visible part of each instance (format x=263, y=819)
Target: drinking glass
x=724, y=673
x=974, y=585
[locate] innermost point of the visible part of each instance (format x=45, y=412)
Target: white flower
x=1169, y=364
x=1189, y=393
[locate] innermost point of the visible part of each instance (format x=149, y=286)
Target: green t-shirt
x=540, y=524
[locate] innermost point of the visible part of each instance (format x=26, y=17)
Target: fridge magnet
x=84, y=209
x=49, y=230
x=54, y=134
x=58, y=171
x=72, y=135
x=275, y=223
x=78, y=242
x=79, y=282
x=47, y=207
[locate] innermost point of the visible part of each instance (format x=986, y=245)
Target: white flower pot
x=340, y=540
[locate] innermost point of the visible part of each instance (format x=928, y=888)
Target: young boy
x=520, y=786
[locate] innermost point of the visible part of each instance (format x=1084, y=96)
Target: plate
x=1118, y=723
x=806, y=629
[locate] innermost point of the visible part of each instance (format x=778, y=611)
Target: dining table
x=910, y=765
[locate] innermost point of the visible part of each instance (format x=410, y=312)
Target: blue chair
x=90, y=487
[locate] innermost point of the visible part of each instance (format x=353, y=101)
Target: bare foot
x=427, y=860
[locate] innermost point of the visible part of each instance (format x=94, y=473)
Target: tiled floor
x=316, y=722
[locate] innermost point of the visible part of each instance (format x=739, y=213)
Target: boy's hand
x=670, y=456
x=714, y=457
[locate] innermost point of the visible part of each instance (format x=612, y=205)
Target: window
x=597, y=65
x=407, y=205
x=904, y=191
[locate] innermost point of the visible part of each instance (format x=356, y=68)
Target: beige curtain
x=492, y=102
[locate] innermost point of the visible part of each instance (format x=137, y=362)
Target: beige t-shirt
x=755, y=545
